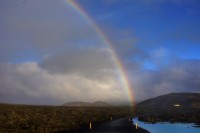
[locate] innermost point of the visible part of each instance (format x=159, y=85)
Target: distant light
x=177, y=105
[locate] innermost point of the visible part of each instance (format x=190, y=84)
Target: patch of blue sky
x=149, y=65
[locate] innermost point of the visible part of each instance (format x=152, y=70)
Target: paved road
x=113, y=126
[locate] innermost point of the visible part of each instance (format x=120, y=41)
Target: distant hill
x=97, y=103
x=172, y=100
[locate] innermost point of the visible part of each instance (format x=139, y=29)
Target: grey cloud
x=31, y=27
x=95, y=63
x=179, y=76
x=28, y=83
x=124, y=42
x=74, y=62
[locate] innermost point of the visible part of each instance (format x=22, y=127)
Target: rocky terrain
x=50, y=119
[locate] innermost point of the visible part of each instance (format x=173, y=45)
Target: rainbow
x=106, y=41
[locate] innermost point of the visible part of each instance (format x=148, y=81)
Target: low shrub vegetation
x=50, y=119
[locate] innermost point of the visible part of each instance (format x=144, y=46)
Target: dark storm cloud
x=32, y=27
x=73, y=61
x=79, y=60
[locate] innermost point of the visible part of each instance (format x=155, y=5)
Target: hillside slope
x=174, y=107
x=173, y=100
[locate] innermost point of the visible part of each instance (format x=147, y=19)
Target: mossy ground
x=49, y=119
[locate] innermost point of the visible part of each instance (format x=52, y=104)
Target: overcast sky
x=50, y=54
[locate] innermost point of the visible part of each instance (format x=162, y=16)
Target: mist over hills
x=173, y=100
x=88, y=104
